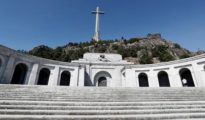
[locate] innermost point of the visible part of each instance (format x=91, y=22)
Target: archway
x=19, y=75
x=0, y=63
x=186, y=77
x=163, y=79
x=102, y=79
x=143, y=80
x=65, y=78
x=43, y=76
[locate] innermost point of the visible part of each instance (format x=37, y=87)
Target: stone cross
x=96, y=36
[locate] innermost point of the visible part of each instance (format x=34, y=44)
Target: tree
x=145, y=58
x=177, y=46
x=133, y=40
x=162, y=52
x=42, y=51
x=57, y=53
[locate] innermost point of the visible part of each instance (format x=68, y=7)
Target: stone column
x=202, y=76
x=54, y=76
x=153, y=79
x=33, y=75
x=117, y=78
x=174, y=77
x=8, y=73
x=196, y=74
x=130, y=78
x=137, y=78
x=74, y=77
x=81, y=77
x=123, y=80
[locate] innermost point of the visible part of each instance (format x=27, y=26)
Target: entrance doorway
x=65, y=78
x=102, y=82
x=19, y=75
x=143, y=80
x=186, y=77
x=102, y=79
x=163, y=79
x=43, y=76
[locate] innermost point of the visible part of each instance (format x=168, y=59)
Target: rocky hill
x=150, y=49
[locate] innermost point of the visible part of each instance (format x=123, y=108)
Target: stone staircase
x=23, y=102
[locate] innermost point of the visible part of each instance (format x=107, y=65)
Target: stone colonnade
x=17, y=68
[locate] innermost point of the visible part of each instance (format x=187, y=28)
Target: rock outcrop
x=150, y=49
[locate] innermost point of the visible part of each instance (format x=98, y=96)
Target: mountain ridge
x=144, y=50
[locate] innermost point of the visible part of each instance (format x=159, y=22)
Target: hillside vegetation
x=150, y=49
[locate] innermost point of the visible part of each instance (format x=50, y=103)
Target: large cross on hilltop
x=96, y=36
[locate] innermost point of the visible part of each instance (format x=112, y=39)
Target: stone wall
x=10, y=59
x=17, y=68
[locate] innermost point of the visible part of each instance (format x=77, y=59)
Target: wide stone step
x=99, y=112
x=106, y=97
x=104, y=100
x=173, y=116
x=98, y=90
x=131, y=107
x=99, y=94
x=67, y=103
x=19, y=102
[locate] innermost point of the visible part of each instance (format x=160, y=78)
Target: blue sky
x=25, y=24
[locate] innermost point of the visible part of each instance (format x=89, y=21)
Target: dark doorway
x=143, y=80
x=0, y=63
x=163, y=79
x=186, y=77
x=43, y=76
x=102, y=82
x=19, y=75
x=65, y=78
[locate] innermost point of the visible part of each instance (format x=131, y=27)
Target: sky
x=25, y=24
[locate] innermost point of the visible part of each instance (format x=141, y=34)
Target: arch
x=19, y=75
x=143, y=80
x=163, y=79
x=65, y=78
x=43, y=76
x=102, y=78
x=186, y=77
x=102, y=81
x=0, y=62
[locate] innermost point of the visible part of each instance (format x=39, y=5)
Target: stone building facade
x=99, y=69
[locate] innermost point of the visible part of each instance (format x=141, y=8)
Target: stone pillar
x=202, y=76
x=153, y=79
x=196, y=74
x=81, y=77
x=123, y=80
x=137, y=79
x=130, y=78
x=33, y=75
x=174, y=77
x=8, y=73
x=74, y=77
x=117, y=78
x=2, y=67
x=54, y=76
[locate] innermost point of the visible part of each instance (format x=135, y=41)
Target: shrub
x=145, y=58
x=132, y=40
x=177, y=46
